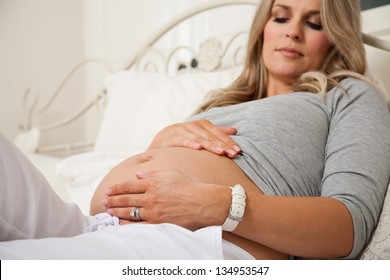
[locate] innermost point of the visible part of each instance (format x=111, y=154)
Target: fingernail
x=140, y=174
x=219, y=149
x=104, y=202
x=231, y=152
x=237, y=148
x=108, y=192
x=110, y=211
x=197, y=146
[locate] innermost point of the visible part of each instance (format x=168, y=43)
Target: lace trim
x=101, y=221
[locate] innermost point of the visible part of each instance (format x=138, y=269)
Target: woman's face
x=294, y=40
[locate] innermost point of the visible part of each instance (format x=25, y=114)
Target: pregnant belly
x=200, y=164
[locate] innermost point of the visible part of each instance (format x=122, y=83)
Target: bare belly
x=203, y=165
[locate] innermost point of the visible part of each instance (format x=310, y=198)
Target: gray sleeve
x=357, y=167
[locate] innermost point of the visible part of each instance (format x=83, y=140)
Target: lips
x=290, y=52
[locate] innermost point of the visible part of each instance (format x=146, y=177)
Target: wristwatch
x=237, y=208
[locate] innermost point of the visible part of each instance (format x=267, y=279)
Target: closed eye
x=280, y=20
x=314, y=26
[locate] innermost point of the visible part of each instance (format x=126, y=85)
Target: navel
x=143, y=159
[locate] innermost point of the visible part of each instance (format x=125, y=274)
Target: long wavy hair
x=347, y=58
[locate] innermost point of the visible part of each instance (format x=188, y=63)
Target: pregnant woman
x=291, y=160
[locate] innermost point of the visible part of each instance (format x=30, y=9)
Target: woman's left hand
x=199, y=134
x=169, y=197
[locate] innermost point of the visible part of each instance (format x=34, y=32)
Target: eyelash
x=308, y=23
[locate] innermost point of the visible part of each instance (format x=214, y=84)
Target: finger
x=229, y=140
x=127, y=187
x=200, y=134
x=172, y=136
x=228, y=130
x=188, y=143
x=219, y=144
x=123, y=200
x=200, y=142
x=196, y=136
x=127, y=213
x=123, y=222
x=215, y=139
x=224, y=134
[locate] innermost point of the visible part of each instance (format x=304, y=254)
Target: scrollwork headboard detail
x=212, y=55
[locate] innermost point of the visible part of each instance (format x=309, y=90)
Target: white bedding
x=153, y=242
x=82, y=174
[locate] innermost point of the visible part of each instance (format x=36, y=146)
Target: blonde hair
x=342, y=25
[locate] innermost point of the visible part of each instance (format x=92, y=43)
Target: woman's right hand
x=200, y=134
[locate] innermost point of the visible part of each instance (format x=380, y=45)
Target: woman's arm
x=311, y=227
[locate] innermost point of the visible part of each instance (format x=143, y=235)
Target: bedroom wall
x=40, y=41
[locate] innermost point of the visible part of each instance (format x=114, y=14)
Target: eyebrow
x=286, y=7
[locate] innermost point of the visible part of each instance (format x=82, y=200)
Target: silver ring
x=134, y=212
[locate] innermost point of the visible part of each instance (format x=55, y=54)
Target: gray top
x=305, y=144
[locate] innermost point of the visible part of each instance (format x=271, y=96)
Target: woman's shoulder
x=353, y=85
x=354, y=89
x=358, y=96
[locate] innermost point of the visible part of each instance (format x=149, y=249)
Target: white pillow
x=140, y=104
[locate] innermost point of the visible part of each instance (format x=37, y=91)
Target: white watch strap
x=237, y=209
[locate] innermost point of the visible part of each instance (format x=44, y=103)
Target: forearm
x=314, y=227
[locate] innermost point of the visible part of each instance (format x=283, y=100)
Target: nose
x=294, y=36
x=294, y=31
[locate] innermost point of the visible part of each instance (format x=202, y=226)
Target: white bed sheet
x=75, y=178
x=153, y=242
x=82, y=174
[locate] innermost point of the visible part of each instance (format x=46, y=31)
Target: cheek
x=268, y=36
x=268, y=39
x=321, y=47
